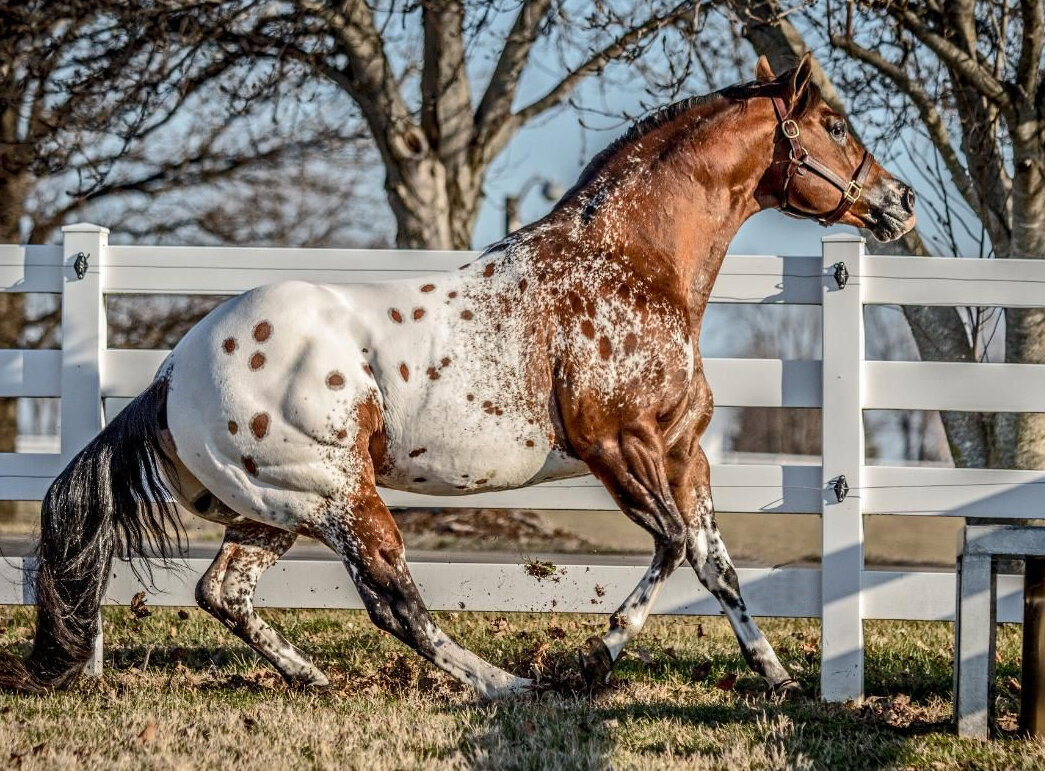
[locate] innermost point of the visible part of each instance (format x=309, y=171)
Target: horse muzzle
x=890, y=210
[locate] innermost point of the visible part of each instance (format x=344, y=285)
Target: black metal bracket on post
x=841, y=274
x=841, y=487
x=80, y=264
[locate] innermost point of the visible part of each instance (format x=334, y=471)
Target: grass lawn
x=179, y=691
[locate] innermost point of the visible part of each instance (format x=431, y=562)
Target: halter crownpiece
x=799, y=159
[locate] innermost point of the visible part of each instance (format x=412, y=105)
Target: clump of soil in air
x=540, y=570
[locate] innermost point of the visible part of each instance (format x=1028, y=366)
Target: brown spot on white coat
x=262, y=331
x=259, y=425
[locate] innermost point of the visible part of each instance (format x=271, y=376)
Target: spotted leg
x=226, y=591
x=366, y=537
x=707, y=554
x=633, y=468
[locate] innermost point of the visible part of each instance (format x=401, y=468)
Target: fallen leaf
x=726, y=682
x=138, y=606
x=148, y=734
x=700, y=630
x=1014, y=685
x=500, y=626
x=701, y=671
x=183, y=614
x=249, y=723
x=539, y=657
x=810, y=650
x=557, y=633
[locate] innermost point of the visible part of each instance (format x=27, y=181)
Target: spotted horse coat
x=569, y=347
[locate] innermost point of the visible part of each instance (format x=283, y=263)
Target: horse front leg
x=632, y=465
x=710, y=560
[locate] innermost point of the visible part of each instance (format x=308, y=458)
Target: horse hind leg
x=226, y=591
x=707, y=554
x=366, y=537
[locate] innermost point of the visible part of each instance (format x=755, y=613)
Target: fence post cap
x=84, y=227
x=845, y=238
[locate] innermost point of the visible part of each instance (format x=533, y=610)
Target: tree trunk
x=12, y=311
x=433, y=208
x=1022, y=436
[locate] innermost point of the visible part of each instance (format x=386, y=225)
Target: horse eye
x=838, y=130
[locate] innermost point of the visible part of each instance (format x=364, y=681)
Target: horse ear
x=763, y=72
x=802, y=88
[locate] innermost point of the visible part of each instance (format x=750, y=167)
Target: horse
x=569, y=347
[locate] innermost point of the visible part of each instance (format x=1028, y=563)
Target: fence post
x=842, y=639
x=83, y=340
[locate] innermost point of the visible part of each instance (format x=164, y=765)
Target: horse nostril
x=908, y=200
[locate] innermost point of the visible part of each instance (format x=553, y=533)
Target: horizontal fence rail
x=94, y=381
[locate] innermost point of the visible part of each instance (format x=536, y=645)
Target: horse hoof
x=785, y=690
x=595, y=661
x=315, y=681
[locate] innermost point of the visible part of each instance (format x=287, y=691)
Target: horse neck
x=671, y=202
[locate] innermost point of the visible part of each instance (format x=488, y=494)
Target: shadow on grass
x=576, y=732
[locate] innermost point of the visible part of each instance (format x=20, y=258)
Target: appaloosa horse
x=569, y=347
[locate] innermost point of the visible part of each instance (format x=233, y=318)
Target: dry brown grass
x=182, y=693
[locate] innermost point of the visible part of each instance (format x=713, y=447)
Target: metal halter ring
x=789, y=128
x=852, y=193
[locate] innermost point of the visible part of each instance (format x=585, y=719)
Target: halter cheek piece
x=799, y=160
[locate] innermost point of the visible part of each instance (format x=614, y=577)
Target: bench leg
x=974, y=645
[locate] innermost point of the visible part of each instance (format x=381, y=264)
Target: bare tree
x=96, y=120
x=441, y=84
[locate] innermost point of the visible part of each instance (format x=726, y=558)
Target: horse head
x=819, y=170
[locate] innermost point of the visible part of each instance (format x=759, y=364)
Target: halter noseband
x=799, y=159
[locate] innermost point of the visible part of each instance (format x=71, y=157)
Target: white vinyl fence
x=86, y=374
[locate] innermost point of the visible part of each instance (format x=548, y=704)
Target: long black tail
x=111, y=496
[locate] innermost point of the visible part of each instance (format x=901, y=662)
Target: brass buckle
x=852, y=193
x=790, y=128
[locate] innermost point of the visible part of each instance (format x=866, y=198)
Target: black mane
x=736, y=93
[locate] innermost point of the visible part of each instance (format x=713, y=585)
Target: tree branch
x=954, y=57
x=496, y=104
x=446, y=101
x=930, y=115
x=1028, y=69
x=368, y=78
x=558, y=93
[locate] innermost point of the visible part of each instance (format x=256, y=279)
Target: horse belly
x=457, y=462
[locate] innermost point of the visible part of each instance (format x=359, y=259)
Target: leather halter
x=799, y=159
